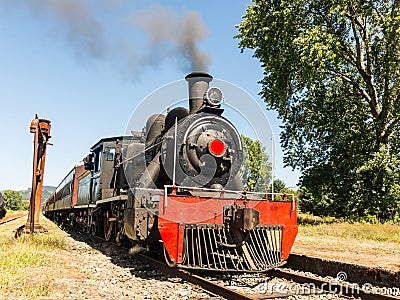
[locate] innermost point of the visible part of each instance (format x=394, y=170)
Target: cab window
x=110, y=153
x=97, y=161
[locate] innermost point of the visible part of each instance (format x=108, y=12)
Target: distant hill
x=47, y=191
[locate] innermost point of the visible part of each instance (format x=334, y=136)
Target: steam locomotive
x=176, y=184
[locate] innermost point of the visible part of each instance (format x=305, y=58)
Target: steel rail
x=11, y=219
x=343, y=288
x=198, y=280
x=206, y=284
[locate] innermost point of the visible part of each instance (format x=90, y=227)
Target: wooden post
x=41, y=130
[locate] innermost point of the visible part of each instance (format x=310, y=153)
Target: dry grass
x=358, y=231
x=307, y=219
x=369, y=244
x=21, y=260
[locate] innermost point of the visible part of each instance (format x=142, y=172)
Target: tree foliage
x=256, y=168
x=279, y=185
x=12, y=200
x=332, y=71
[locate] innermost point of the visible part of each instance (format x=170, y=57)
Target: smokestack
x=198, y=86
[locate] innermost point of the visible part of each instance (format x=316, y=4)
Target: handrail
x=243, y=194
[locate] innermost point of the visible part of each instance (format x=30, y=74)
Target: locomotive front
x=194, y=195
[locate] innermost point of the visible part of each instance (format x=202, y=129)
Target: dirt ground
x=83, y=271
x=381, y=254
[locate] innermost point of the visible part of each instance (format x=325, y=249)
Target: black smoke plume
x=177, y=35
x=170, y=35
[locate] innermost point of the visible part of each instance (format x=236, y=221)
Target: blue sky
x=90, y=89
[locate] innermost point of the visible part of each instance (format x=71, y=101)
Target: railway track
x=295, y=284
x=300, y=285
x=365, y=292
x=195, y=279
x=7, y=220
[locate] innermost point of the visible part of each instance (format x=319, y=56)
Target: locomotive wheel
x=87, y=226
x=108, y=226
x=93, y=227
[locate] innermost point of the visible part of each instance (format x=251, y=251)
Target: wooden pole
x=41, y=130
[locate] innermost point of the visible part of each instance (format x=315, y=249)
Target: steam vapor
x=166, y=28
x=169, y=35
x=83, y=30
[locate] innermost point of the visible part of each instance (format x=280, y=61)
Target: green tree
x=25, y=205
x=256, y=168
x=12, y=200
x=279, y=185
x=332, y=73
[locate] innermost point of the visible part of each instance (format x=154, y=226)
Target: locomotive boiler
x=176, y=185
